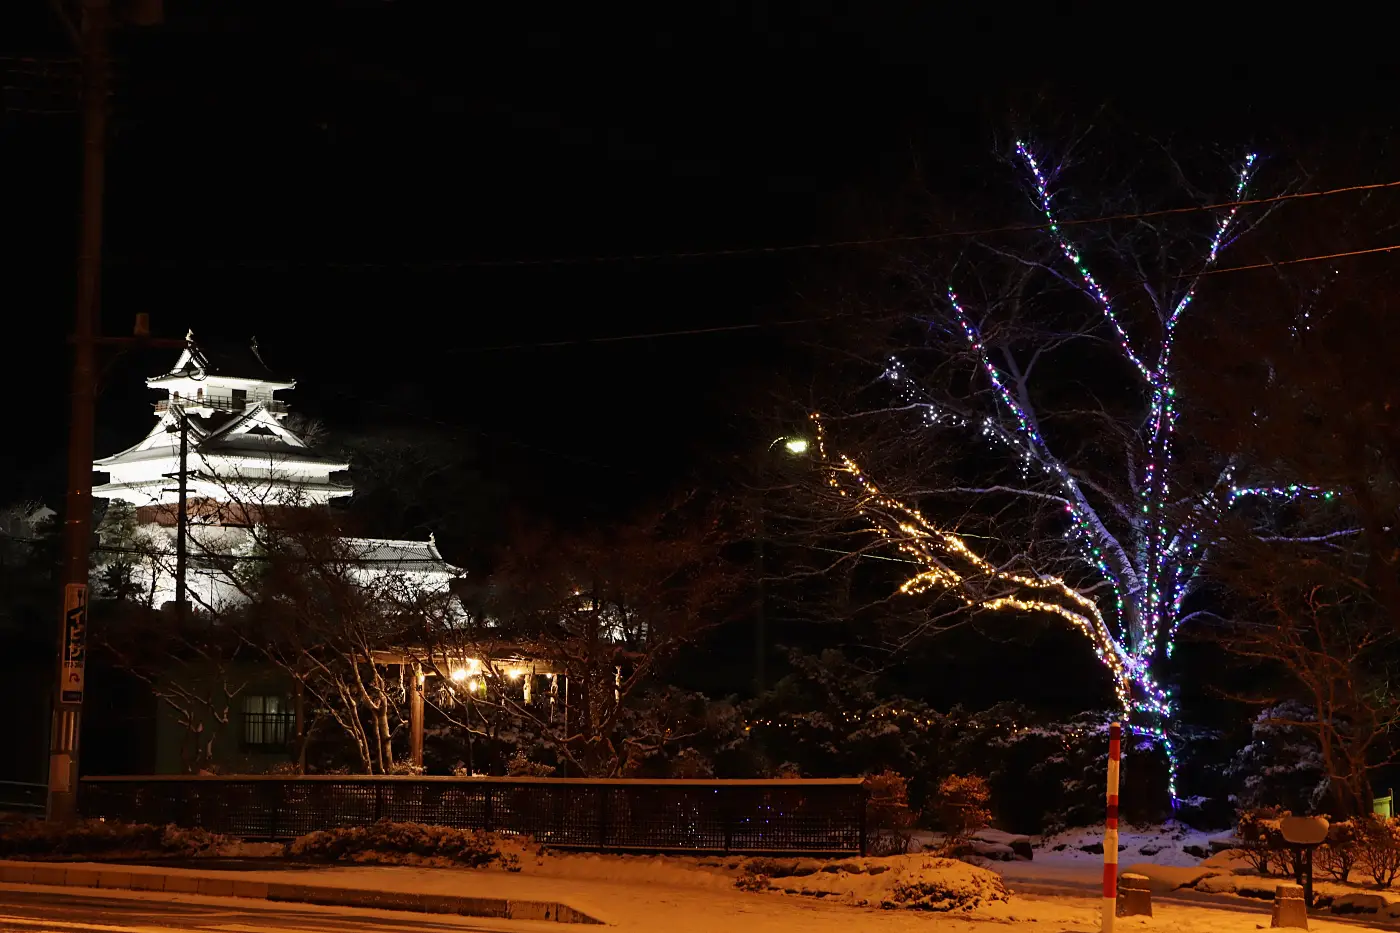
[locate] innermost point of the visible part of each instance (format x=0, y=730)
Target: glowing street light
x=795, y=444
x=459, y=674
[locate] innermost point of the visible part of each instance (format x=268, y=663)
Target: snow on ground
x=1061, y=860
x=643, y=906
x=1161, y=845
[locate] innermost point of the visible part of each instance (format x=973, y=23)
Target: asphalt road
x=61, y=912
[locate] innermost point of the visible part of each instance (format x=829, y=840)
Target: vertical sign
x=75, y=606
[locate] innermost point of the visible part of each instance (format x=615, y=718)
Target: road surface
x=26, y=910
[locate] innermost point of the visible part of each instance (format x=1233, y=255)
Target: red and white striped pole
x=1110, y=833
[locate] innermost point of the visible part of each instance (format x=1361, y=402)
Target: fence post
x=863, y=799
x=602, y=816
x=726, y=812
x=490, y=809
x=276, y=807
x=378, y=800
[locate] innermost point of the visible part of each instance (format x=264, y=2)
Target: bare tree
x=1316, y=588
x=597, y=614
x=193, y=667
x=280, y=575
x=1037, y=453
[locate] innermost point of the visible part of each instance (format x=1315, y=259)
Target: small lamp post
x=794, y=445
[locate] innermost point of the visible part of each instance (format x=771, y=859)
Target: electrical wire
x=725, y=328
x=822, y=245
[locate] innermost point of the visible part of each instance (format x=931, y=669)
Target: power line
x=618, y=338
x=812, y=246
x=725, y=328
x=1293, y=262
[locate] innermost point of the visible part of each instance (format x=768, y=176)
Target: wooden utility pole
x=182, y=517
x=92, y=33
x=77, y=526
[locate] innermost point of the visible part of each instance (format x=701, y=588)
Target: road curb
x=218, y=886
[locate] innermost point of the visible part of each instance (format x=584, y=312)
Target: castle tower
x=241, y=455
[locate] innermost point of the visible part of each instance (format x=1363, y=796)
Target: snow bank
x=1163, y=879
x=899, y=882
x=1170, y=844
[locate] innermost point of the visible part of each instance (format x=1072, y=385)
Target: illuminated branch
x=950, y=566
x=1091, y=285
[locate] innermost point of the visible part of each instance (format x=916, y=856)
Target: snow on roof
x=392, y=550
x=224, y=359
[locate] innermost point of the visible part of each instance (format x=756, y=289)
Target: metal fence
x=797, y=816
x=22, y=797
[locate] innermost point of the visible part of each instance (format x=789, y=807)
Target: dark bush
x=37, y=839
x=1378, y=854
x=1261, y=843
x=385, y=841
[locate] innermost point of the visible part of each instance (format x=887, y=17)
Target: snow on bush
x=1378, y=849
x=901, y=882
x=36, y=839
x=1282, y=765
x=1338, y=857
x=400, y=843
x=962, y=807
x=889, y=820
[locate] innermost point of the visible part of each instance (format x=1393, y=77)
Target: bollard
x=1290, y=911
x=1134, y=896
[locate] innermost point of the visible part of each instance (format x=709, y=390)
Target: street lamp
x=794, y=445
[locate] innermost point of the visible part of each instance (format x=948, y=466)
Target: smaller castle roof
x=220, y=358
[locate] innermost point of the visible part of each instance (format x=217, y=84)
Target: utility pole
x=760, y=617
x=77, y=527
x=182, y=513
x=91, y=35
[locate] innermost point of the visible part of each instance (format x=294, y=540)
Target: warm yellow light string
x=928, y=545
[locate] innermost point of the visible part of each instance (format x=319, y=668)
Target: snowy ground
x=1055, y=892
x=638, y=903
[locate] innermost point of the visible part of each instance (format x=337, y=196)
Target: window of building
x=269, y=722
x=240, y=399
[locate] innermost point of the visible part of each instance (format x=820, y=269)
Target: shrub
x=889, y=822
x=962, y=807
x=388, y=842
x=943, y=886
x=38, y=839
x=1258, y=833
x=691, y=763
x=520, y=766
x=1378, y=849
x=1338, y=856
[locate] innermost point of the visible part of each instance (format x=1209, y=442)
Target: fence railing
x=22, y=797
x=221, y=403
x=797, y=816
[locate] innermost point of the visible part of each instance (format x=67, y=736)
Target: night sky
x=418, y=209
x=406, y=203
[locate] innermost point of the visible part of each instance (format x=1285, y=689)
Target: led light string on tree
x=912, y=534
x=1042, y=190
x=1150, y=582
x=1033, y=446
x=1154, y=558
x=1164, y=567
